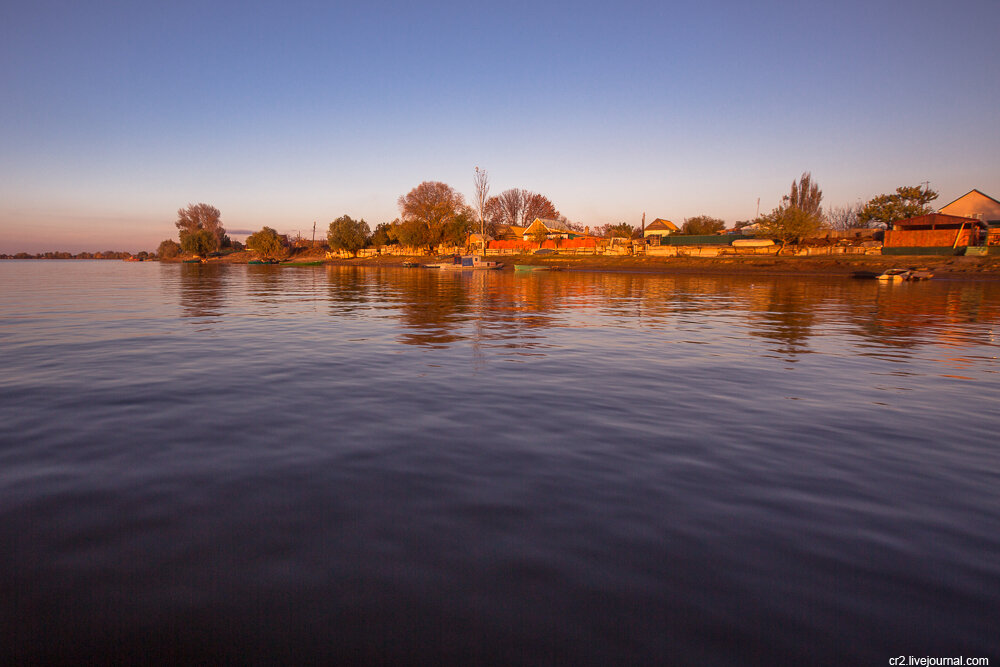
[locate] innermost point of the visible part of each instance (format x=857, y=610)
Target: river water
x=403, y=466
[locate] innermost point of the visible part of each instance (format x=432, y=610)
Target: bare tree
x=519, y=207
x=538, y=206
x=482, y=183
x=845, y=217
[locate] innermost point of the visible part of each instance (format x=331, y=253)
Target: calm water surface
x=392, y=466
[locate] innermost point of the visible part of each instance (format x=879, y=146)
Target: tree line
x=435, y=213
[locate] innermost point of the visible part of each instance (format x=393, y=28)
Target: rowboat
x=263, y=261
x=315, y=263
x=894, y=275
x=530, y=267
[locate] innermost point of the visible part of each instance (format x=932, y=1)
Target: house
x=553, y=229
x=935, y=233
x=509, y=233
x=975, y=204
x=660, y=227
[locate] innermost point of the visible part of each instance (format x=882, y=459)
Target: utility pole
x=314, y=233
x=758, y=207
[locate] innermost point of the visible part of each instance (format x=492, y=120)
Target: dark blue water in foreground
x=391, y=466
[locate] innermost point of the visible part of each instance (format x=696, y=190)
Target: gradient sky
x=115, y=114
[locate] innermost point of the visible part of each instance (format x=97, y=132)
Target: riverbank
x=986, y=268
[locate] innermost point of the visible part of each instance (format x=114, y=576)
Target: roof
x=973, y=190
x=934, y=219
x=660, y=223
x=552, y=224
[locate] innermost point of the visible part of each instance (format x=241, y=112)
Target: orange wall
x=925, y=238
x=529, y=245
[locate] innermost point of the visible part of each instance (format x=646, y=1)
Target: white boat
x=893, y=275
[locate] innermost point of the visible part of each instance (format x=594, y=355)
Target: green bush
x=265, y=243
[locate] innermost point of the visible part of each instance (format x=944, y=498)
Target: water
x=392, y=466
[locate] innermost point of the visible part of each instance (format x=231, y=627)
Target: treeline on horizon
x=434, y=213
x=59, y=254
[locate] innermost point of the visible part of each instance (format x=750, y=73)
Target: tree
x=539, y=236
x=620, y=230
x=787, y=224
x=702, y=225
x=805, y=196
x=519, y=208
x=199, y=242
x=908, y=202
x=434, y=205
x=482, y=184
x=538, y=206
x=265, y=243
x=198, y=217
x=412, y=233
x=845, y=217
x=168, y=249
x=348, y=234
x=798, y=216
x=383, y=235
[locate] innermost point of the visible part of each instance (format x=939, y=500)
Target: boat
x=194, y=261
x=263, y=261
x=410, y=265
x=312, y=263
x=897, y=275
x=530, y=267
x=466, y=263
x=894, y=275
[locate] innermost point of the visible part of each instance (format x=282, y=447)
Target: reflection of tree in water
x=348, y=288
x=785, y=312
x=432, y=306
x=264, y=284
x=202, y=290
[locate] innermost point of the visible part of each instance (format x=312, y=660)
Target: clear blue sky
x=115, y=114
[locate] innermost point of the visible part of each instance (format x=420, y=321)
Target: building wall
x=974, y=205
x=924, y=238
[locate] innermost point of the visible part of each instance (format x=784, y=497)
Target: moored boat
x=466, y=263
x=530, y=267
x=894, y=275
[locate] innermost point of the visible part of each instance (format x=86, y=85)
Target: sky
x=113, y=115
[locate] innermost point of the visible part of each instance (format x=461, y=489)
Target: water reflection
x=520, y=314
x=202, y=290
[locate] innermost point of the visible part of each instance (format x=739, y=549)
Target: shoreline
x=978, y=268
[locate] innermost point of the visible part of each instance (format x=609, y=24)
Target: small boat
x=263, y=261
x=410, y=265
x=194, y=261
x=894, y=275
x=466, y=263
x=312, y=263
x=530, y=267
